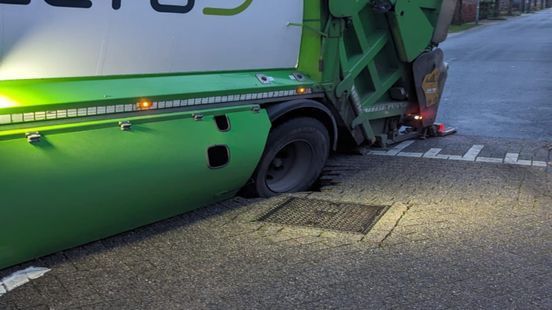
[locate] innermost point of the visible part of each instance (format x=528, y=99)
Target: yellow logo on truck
x=431, y=87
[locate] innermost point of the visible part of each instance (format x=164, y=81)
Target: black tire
x=296, y=153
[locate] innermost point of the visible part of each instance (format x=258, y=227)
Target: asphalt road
x=467, y=226
x=500, y=82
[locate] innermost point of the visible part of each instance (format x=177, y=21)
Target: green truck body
x=86, y=157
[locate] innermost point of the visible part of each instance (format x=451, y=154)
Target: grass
x=460, y=28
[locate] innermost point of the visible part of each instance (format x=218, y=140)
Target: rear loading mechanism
x=381, y=53
x=125, y=133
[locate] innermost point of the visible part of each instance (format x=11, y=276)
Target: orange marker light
x=144, y=104
x=301, y=90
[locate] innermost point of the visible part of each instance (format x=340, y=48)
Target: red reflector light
x=441, y=128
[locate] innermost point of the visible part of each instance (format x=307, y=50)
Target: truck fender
x=305, y=107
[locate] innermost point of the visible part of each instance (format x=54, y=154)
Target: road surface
x=500, y=81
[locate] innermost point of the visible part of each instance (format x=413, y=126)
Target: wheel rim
x=290, y=165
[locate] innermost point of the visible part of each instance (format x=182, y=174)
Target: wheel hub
x=289, y=166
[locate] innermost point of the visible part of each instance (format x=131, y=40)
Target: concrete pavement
x=458, y=235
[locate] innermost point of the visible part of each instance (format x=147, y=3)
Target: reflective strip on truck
x=145, y=105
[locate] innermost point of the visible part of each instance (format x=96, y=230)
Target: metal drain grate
x=347, y=217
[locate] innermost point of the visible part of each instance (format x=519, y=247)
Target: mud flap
x=430, y=74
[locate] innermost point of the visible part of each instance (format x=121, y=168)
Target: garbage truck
x=117, y=114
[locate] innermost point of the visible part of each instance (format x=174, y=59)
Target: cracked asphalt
x=457, y=235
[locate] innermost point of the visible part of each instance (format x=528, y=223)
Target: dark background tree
x=497, y=8
x=458, y=14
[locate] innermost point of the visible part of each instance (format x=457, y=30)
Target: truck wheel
x=294, y=157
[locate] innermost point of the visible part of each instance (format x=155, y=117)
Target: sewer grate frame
x=366, y=215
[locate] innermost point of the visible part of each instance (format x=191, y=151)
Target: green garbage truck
x=116, y=114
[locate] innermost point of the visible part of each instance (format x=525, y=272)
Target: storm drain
x=356, y=218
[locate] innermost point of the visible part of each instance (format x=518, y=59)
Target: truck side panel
x=89, y=183
x=44, y=41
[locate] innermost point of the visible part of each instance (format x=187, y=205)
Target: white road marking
x=511, y=158
x=409, y=154
x=401, y=146
x=524, y=162
x=380, y=153
x=456, y=157
x=473, y=152
x=20, y=278
x=434, y=153
x=493, y=160
x=471, y=155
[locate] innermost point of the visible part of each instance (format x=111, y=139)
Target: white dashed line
x=492, y=160
x=471, y=155
x=434, y=153
x=524, y=162
x=409, y=154
x=379, y=153
x=473, y=152
x=511, y=158
x=401, y=146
